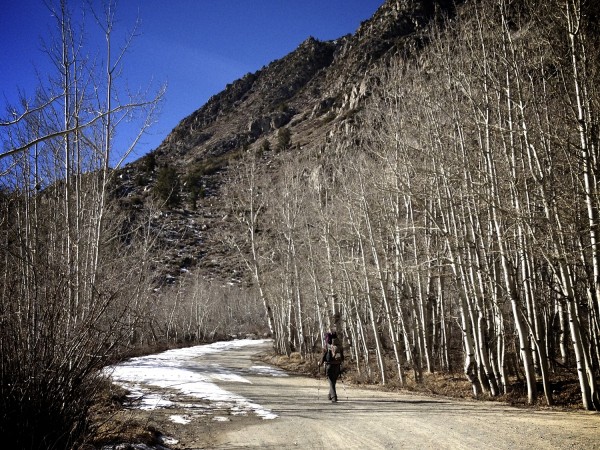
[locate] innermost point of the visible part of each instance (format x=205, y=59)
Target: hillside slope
x=313, y=90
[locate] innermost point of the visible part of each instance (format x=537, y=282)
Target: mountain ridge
x=315, y=76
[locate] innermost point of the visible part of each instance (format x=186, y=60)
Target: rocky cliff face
x=249, y=108
x=310, y=91
x=308, y=82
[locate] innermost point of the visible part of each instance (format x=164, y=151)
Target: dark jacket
x=332, y=340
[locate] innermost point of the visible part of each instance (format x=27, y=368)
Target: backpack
x=335, y=354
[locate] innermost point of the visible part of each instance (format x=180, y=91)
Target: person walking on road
x=333, y=356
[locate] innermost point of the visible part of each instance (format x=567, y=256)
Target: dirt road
x=368, y=419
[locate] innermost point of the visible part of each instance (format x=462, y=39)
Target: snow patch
x=168, y=440
x=183, y=420
x=176, y=369
x=220, y=419
x=270, y=371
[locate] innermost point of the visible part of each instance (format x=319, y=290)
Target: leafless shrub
x=70, y=292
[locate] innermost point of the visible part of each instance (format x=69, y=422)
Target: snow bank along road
x=251, y=406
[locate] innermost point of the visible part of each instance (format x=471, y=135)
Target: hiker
x=333, y=356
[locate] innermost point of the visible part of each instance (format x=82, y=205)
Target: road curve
x=369, y=419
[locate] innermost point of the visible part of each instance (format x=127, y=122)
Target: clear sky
x=195, y=46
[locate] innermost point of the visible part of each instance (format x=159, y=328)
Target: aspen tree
x=512, y=149
x=289, y=207
x=247, y=202
x=380, y=276
x=355, y=216
x=586, y=120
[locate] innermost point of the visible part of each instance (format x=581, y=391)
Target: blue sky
x=195, y=46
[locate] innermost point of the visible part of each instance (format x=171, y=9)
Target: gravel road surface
x=369, y=419
x=362, y=418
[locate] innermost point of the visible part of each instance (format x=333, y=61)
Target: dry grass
x=111, y=423
x=564, y=384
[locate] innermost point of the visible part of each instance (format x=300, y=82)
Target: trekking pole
x=318, y=380
x=343, y=385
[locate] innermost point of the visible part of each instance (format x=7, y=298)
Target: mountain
x=311, y=92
